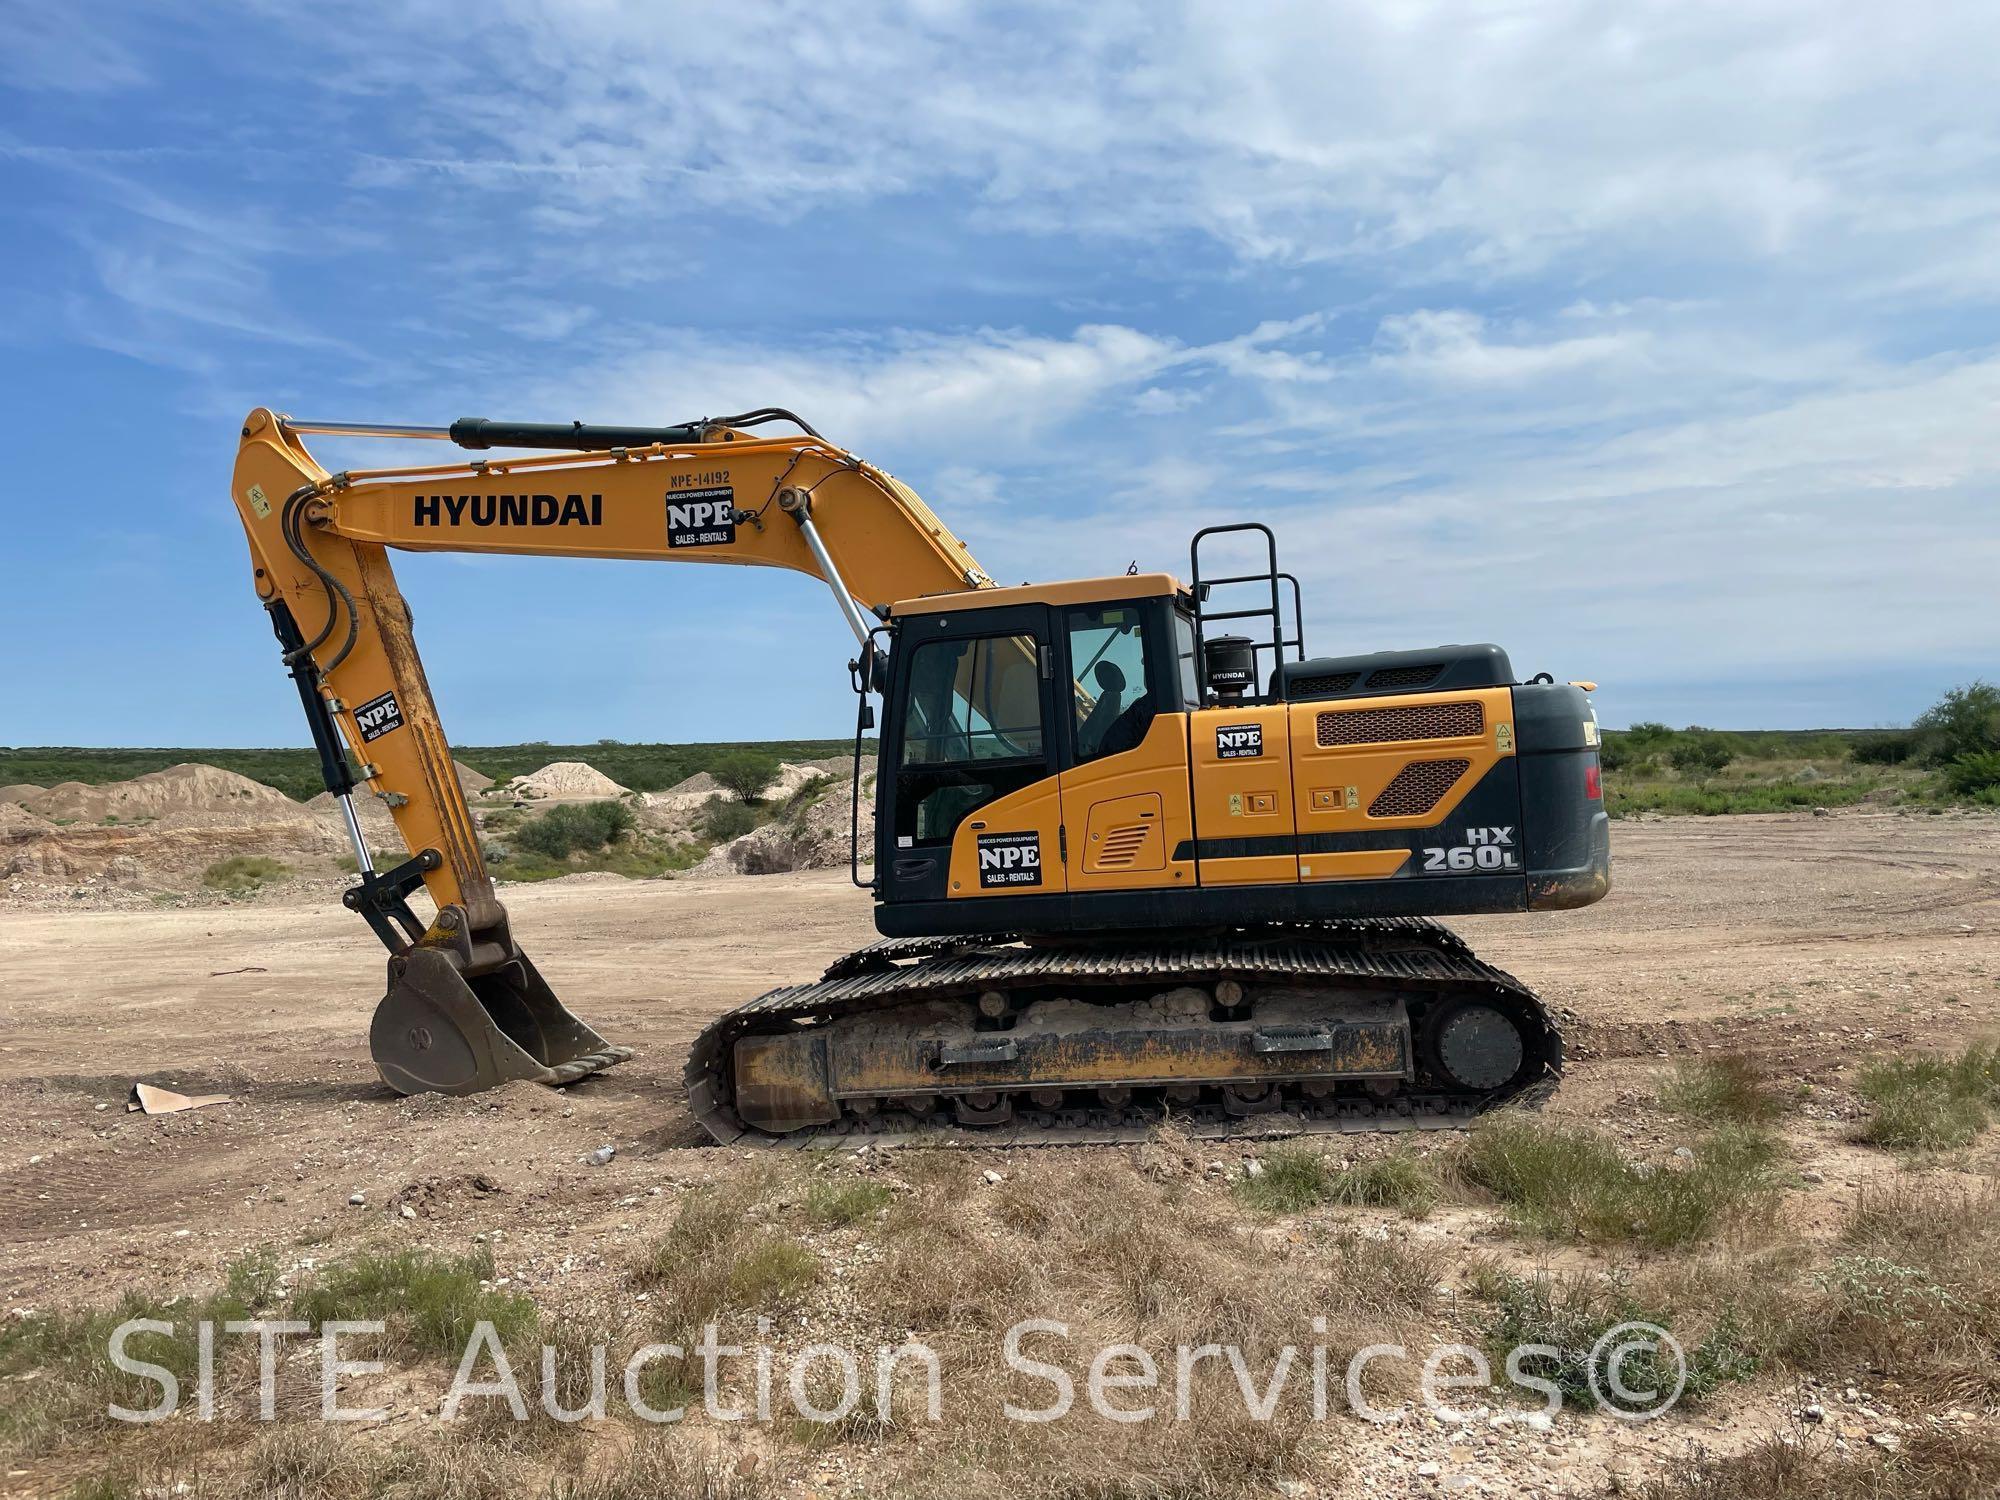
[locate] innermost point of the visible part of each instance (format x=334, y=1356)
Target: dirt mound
x=565, y=781
x=377, y=825
x=815, y=837
x=15, y=819
x=159, y=830
x=699, y=784
x=183, y=796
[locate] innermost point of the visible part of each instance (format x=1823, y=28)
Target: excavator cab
x=1109, y=755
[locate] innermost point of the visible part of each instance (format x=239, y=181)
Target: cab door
x=1125, y=805
x=969, y=764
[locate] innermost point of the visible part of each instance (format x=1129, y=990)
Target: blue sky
x=1658, y=342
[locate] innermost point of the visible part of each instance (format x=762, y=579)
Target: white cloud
x=1452, y=345
x=1444, y=137
x=59, y=49
x=1161, y=401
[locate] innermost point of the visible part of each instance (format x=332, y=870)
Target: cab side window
x=972, y=731
x=1110, y=688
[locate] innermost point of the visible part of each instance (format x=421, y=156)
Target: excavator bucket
x=444, y=1028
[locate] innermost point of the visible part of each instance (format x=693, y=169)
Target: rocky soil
x=1812, y=944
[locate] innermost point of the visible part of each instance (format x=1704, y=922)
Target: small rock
x=1812, y=1413
x=408, y=1212
x=1812, y=1176
x=1887, y=1440
x=1253, y=1168
x=1429, y=1470
x=357, y=1198
x=1682, y=1153
x=1539, y=1421
x=602, y=1156
x=992, y=1178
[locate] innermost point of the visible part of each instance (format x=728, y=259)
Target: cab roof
x=1069, y=591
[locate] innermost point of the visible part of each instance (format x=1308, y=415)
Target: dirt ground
x=1813, y=941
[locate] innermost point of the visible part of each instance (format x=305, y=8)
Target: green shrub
x=430, y=1302
x=1622, y=798
x=1931, y=1103
x=1976, y=772
x=1722, y=1089
x=243, y=874
x=847, y=1200
x=1965, y=721
x=1296, y=1178
x=1571, y=1184
x=1571, y=1314
x=576, y=828
x=722, y=821
x=745, y=772
x=1700, y=754
x=1884, y=747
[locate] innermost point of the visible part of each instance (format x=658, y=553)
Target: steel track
x=1421, y=958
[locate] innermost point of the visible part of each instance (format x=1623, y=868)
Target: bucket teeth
x=442, y=1028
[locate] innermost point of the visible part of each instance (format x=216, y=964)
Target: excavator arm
x=465, y=1009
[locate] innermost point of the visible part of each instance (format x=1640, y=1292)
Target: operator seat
x=1103, y=713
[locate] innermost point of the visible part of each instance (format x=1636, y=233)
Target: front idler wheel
x=1476, y=1046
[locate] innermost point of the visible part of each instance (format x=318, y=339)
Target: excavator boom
x=465, y=1008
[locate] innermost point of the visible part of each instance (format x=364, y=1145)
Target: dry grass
x=716, y=1263
x=1915, y=1290
x=1297, y=1178
x=1572, y=1184
x=1570, y=1314
x=662, y=1468
x=1122, y=1256
x=430, y=1302
x=1931, y=1103
x=1910, y=1290
x=1723, y=1091
x=716, y=1259
x=834, y=1202
x=60, y=1379
x=1945, y=1465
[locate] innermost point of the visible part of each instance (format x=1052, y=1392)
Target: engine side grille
x=1386, y=726
x=1331, y=682
x=1122, y=846
x=1420, y=675
x=1418, y=788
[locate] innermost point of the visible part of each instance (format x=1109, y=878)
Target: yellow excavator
x=1134, y=853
